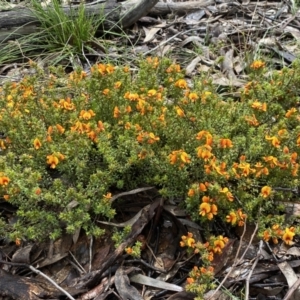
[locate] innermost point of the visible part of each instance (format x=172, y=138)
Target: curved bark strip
x=162, y=8
x=133, y=10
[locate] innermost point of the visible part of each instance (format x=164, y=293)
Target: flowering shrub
x=68, y=142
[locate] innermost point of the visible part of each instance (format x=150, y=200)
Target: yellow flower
x=266, y=191
x=52, y=160
x=181, y=83
x=184, y=157
x=105, y=92
x=37, y=144
x=288, y=236
x=151, y=93
x=204, y=209
x=193, y=97
x=274, y=140
x=117, y=84
x=152, y=138
x=246, y=169
x=127, y=125
x=107, y=196
x=109, y=69
x=257, y=64
x=179, y=111
x=231, y=218
x=252, y=120
x=273, y=161
x=218, y=246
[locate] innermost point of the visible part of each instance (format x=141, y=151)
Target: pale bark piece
x=291, y=278
x=124, y=288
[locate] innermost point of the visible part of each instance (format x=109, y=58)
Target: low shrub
x=69, y=141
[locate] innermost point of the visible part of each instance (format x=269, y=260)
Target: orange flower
x=204, y=153
x=202, y=187
x=227, y=193
x=37, y=144
x=66, y=104
x=266, y=191
x=207, y=135
x=92, y=136
x=259, y=106
x=100, y=126
x=117, y=84
x=226, y=143
x=246, y=169
x=18, y=242
x=105, y=92
x=290, y=112
x=128, y=109
x=266, y=235
x=190, y=280
x=60, y=129
x=181, y=83
x=6, y=197
x=86, y=114
x=206, y=199
x=117, y=112
x=4, y=180
x=257, y=64
x=213, y=212
x=129, y=250
x=191, y=192
x=142, y=154
x=282, y=132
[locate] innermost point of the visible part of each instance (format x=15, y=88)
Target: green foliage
x=70, y=141
x=119, y=236
x=61, y=36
